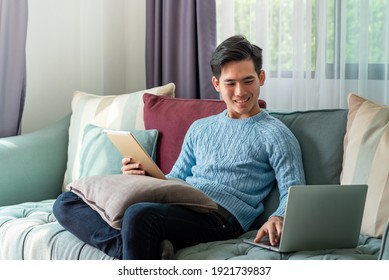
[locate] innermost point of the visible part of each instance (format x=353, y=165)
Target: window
x=345, y=39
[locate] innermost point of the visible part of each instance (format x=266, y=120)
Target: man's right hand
x=272, y=228
x=130, y=167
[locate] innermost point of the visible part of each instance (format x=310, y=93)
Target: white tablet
x=129, y=147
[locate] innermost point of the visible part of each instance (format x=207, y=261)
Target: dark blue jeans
x=144, y=226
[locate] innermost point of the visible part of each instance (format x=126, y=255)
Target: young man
x=234, y=157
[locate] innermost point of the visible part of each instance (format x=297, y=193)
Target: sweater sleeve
x=286, y=160
x=182, y=168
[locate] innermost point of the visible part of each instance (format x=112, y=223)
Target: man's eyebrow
x=228, y=80
x=244, y=79
x=249, y=77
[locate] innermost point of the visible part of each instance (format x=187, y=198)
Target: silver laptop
x=321, y=217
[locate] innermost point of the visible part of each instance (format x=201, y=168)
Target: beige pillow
x=110, y=195
x=119, y=112
x=366, y=159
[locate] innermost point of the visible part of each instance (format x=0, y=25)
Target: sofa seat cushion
x=235, y=249
x=29, y=231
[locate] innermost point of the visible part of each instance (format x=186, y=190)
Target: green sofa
x=32, y=170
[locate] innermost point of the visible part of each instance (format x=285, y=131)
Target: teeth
x=241, y=101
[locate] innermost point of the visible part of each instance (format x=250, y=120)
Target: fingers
x=260, y=234
x=272, y=228
x=126, y=161
x=274, y=237
x=271, y=232
x=134, y=172
x=132, y=168
x=276, y=230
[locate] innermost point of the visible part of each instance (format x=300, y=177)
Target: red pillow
x=172, y=118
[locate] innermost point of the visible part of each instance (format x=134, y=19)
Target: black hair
x=235, y=48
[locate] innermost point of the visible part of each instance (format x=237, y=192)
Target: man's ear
x=262, y=77
x=216, y=84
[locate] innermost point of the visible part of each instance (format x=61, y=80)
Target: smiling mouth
x=242, y=101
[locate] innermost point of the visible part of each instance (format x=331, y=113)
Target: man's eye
x=249, y=81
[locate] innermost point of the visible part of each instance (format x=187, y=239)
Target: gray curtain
x=180, y=39
x=13, y=31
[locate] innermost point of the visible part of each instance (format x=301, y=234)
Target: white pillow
x=120, y=112
x=366, y=159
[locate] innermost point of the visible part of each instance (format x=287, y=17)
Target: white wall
x=96, y=46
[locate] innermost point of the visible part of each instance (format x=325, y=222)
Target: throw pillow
x=172, y=118
x=365, y=159
x=111, y=195
x=121, y=112
x=99, y=156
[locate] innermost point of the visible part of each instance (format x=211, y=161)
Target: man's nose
x=239, y=89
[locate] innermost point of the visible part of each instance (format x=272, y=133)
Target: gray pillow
x=110, y=195
x=320, y=134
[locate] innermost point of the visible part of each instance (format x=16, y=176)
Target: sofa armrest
x=384, y=252
x=32, y=165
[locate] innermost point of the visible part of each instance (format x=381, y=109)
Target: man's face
x=239, y=86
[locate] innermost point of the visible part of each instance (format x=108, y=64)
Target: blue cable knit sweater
x=236, y=162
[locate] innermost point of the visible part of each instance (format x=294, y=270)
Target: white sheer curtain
x=315, y=51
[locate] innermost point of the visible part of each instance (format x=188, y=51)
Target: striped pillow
x=366, y=159
x=120, y=112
